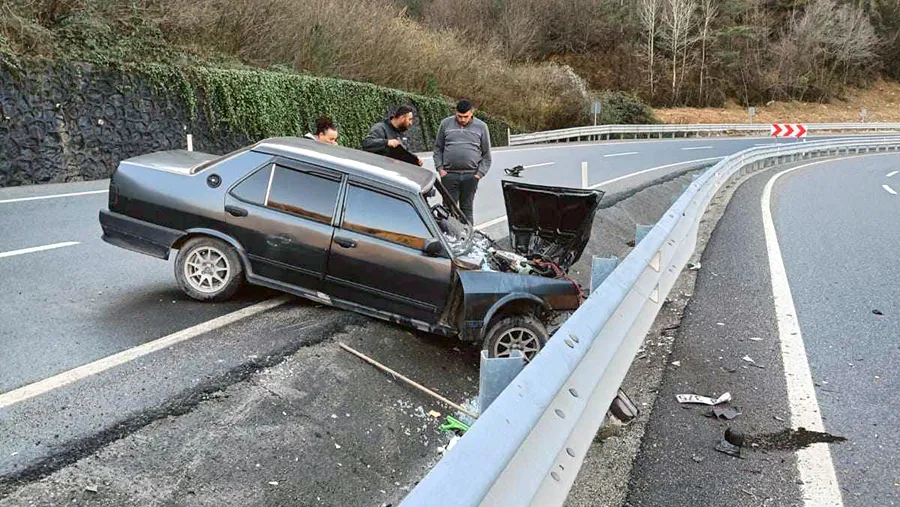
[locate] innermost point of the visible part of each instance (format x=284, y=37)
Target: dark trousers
x=462, y=187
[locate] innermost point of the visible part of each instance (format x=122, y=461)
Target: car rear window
x=385, y=217
x=303, y=193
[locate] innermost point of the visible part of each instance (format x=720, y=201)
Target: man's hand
x=442, y=172
x=477, y=176
x=420, y=161
x=393, y=143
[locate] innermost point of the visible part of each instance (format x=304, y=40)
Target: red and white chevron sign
x=787, y=130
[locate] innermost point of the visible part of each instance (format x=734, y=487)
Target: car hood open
x=551, y=222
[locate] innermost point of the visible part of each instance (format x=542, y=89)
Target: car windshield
x=457, y=233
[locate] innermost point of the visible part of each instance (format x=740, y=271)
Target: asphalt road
x=836, y=222
x=84, y=300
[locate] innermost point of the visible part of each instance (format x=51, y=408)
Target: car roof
x=355, y=162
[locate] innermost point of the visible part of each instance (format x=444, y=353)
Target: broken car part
x=703, y=400
x=732, y=443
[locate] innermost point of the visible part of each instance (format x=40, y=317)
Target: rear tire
x=208, y=269
x=515, y=332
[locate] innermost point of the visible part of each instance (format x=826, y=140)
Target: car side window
x=385, y=217
x=253, y=188
x=308, y=194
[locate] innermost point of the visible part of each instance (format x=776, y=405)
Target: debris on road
x=91, y=489
x=749, y=359
x=273, y=483
x=703, y=400
x=515, y=171
x=877, y=312
x=755, y=339
x=454, y=424
x=694, y=267
x=732, y=443
x=410, y=382
x=780, y=419
x=676, y=363
x=698, y=459
x=727, y=413
x=434, y=413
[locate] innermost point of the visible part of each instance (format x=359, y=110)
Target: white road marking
x=485, y=225
x=55, y=196
x=538, y=165
x=68, y=377
x=697, y=148
x=892, y=173
x=631, y=175
x=819, y=484
x=37, y=249
x=620, y=154
x=889, y=189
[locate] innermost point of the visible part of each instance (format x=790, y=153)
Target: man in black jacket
x=386, y=137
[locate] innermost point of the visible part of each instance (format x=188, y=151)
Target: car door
x=377, y=260
x=282, y=215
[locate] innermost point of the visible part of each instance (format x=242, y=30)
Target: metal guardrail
x=527, y=448
x=598, y=132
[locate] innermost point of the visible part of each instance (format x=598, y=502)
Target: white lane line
x=889, y=189
x=892, y=173
x=538, y=165
x=55, y=196
x=631, y=175
x=68, y=377
x=485, y=225
x=697, y=148
x=37, y=249
x=819, y=484
x=608, y=155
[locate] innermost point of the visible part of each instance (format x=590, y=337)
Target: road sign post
x=596, y=109
x=752, y=111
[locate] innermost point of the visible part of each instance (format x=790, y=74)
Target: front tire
x=517, y=332
x=208, y=269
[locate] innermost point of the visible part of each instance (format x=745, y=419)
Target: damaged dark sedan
x=356, y=231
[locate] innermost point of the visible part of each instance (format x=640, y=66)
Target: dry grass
x=364, y=40
x=881, y=101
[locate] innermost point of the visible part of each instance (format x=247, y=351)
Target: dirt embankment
x=880, y=102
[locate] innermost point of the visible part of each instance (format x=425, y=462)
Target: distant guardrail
x=527, y=448
x=601, y=132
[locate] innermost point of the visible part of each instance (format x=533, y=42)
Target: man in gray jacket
x=462, y=155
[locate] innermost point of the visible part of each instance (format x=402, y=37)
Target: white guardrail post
x=527, y=448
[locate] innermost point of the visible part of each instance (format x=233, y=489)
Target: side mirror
x=433, y=248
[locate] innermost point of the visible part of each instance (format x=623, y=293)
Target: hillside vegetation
x=538, y=63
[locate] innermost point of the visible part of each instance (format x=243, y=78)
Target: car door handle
x=235, y=211
x=344, y=242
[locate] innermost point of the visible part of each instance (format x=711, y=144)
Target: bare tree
x=648, y=10
x=710, y=9
x=677, y=24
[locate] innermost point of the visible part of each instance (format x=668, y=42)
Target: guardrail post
x=601, y=267
x=584, y=175
x=641, y=232
x=495, y=374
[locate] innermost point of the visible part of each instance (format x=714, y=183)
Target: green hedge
x=264, y=103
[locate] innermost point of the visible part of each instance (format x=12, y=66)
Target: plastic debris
x=453, y=442
x=749, y=359
x=877, y=312
x=698, y=459
x=454, y=424
x=703, y=400
x=515, y=171
x=694, y=267
x=727, y=413
x=91, y=489
x=676, y=363
x=732, y=443
x=434, y=413
x=273, y=483
x=778, y=418
x=755, y=339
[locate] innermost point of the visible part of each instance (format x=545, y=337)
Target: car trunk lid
x=173, y=161
x=553, y=223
